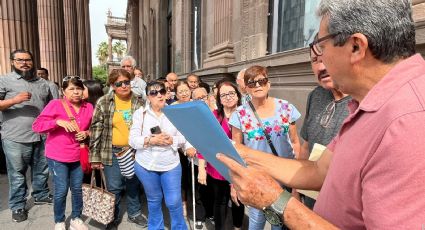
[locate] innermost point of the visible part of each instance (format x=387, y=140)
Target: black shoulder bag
x=264, y=130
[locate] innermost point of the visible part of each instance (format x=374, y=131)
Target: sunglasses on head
x=67, y=78
x=120, y=83
x=253, y=83
x=154, y=92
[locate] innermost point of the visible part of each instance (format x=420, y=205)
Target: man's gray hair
x=195, y=91
x=133, y=61
x=387, y=24
x=241, y=74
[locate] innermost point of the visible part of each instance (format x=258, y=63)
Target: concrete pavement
x=41, y=216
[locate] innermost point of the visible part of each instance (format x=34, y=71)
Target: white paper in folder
x=200, y=127
x=315, y=154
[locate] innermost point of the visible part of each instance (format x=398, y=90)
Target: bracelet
x=148, y=142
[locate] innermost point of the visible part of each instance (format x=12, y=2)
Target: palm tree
x=119, y=49
x=102, y=52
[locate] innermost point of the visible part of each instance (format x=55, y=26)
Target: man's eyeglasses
x=67, y=78
x=327, y=115
x=20, y=61
x=154, y=92
x=230, y=94
x=126, y=66
x=315, y=44
x=120, y=83
x=261, y=82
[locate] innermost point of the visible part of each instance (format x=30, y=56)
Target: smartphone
x=155, y=130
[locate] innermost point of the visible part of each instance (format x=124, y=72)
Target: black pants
x=3, y=169
x=185, y=186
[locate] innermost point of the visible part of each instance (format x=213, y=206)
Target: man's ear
x=359, y=45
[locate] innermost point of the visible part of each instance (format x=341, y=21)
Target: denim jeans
x=159, y=185
x=20, y=156
x=66, y=176
x=115, y=183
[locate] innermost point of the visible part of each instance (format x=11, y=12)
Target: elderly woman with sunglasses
x=63, y=148
x=110, y=131
x=157, y=161
x=263, y=118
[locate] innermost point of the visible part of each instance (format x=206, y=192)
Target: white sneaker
x=77, y=224
x=60, y=226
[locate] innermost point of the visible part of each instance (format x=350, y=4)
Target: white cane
x=193, y=191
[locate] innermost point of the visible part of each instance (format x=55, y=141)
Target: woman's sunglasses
x=154, y=92
x=261, y=82
x=120, y=83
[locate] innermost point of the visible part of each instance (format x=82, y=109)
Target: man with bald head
x=241, y=85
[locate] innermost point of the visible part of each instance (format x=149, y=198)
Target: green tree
x=100, y=73
x=119, y=48
x=102, y=52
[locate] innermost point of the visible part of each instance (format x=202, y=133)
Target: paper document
x=200, y=127
x=315, y=154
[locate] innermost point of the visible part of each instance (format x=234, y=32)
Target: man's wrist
x=274, y=212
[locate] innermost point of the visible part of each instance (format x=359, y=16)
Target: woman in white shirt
x=157, y=161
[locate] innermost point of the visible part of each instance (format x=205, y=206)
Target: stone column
x=52, y=38
x=222, y=51
x=71, y=37
x=133, y=42
x=88, y=40
x=110, y=49
x=18, y=30
x=82, y=47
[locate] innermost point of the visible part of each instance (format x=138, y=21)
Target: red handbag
x=84, y=159
x=84, y=149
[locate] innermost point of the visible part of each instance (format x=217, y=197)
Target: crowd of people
x=370, y=175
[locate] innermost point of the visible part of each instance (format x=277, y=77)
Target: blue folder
x=200, y=127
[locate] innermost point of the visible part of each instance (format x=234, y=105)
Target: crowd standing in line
x=358, y=51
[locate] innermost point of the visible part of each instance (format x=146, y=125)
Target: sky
x=98, y=10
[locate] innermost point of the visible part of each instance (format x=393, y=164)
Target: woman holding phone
x=157, y=161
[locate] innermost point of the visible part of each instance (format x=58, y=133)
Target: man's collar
x=18, y=76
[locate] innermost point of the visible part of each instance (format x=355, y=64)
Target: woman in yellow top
x=110, y=130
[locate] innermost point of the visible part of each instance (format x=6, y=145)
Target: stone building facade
x=218, y=38
x=57, y=32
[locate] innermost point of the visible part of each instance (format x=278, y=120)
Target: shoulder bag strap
x=143, y=122
x=71, y=118
x=269, y=141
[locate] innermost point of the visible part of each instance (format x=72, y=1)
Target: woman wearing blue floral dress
x=277, y=120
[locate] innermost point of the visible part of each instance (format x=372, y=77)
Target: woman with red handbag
x=65, y=133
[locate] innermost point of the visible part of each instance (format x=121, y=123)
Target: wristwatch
x=274, y=212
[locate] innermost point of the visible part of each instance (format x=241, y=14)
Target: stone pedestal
x=222, y=51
